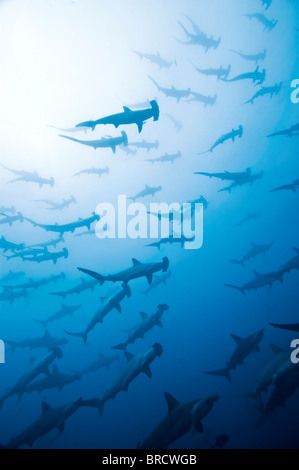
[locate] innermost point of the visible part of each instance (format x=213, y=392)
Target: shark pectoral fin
x=171, y=402
x=257, y=349
x=158, y=323
x=140, y=126
x=47, y=372
x=146, y=370
x=129, y=356
x=236, y=338
x=143, y=315
x=118, y=308
x=149, y=278
x=113, y=148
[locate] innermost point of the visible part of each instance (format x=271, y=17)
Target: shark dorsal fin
x=171, y=402
x=135, y=262
x=276, y=349
x=129, y=356
x=146, y=370
x=45, y=407
x=143, y=315
x=127, y=110
x=236, y=338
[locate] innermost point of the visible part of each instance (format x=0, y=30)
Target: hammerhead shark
x=146, y=324
x=245, y=347
x=78, y=289
x=145, y=145
x=71, y=227
x=166, y=158
x=6, y=245
x=260, y=280
x=156, y=59
x=254, y=251
x=271, y=90
x=157, y=281
x=248, y=218
x=35, y=284
x=181, y=419
x=101, y=362
x=245, y=179
x=10, y=296
x=46, y=341
x=229, y=136
x=57, y=380
x=54, y=206
x=12, y=276
x=291, y=132
x=50, y=419
x=10, y=219
x=172, y=92
x=206, y=100
x=10, y=210
x=53, y=242
x=37, y=367
x=134, y=367
x=257, y=77
x=29, y=177
x=105, y=142
x=291, y=264
x=219, y=73
x=65, y=311
x=268, y=24
x=71, y=130
x=110, y=304
x=148, y=191
x=94, y=171
x=178, y=125
x=127, y=117
x=288, y=327
x=171, y=240
x=47, y=256
x=198, y=38
x=136, y=271
x=287, y=187
x=251, y=57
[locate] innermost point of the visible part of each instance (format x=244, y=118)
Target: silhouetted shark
x=50, y=419
x=248, y=218
x=58, y=205
x=10, y=219
x=256, y=77
x=147, y=323
x=268, y=24
x=181, y=419
x=172, y=92
x=290, y=327
x=12, y=276
x=47, y=256
x=267, y=3
x=156, y=59
x=71, y=227
x=246, y=179
x=166, y=158
x=148, y=191
x=94, y=171
x=245, y=347
x=221, y=72
x=72, y=130
x=56, y=380
x=281, y=394
x=110, y=304
x=79, y=288
x=291, y=132
x=157, y=281
x=176, y=123
x=7, y=295
x=252, y=57
x=31, y=284
x=260, y=280
x=128, y=117
x=136, y=271
x=288, y=187
x=54, y=242
x=229, y=136
x=65, y=311
x=6, y=210
x=292, y=264
x=254, y=251
x=100, y=362
x=145, y=145
x=271, y=90
x=29, y=177
x=206, y=100
x=135, y=366
x=105, y=142
x=198, y=38
x=201, y=200
x=181, y=240
x=5, y=245
x=45, y=341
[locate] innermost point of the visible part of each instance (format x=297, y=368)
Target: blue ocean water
x=64, y=62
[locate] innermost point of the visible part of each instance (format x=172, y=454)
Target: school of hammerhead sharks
x=281, y=375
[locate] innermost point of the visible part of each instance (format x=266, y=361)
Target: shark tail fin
x=93, y=274
x=77, y=335
x=120, y=347
x=221, y=373
x=42, y=322
x=236, y=288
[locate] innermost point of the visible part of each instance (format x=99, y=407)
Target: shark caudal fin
x=42, y=322
x=165, y=264
x=220, y=373
x=156, y=110
x=78, y=335
x=240, y=289
x=120, y=347
x=93, y=274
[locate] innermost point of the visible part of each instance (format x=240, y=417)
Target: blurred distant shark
x=46, y=341
x=198, y=38
x=5, y=245
x=181, y=419
x=57, y=380
x=252, y=57
x=272, y=90
x=136, y=271
x=292, y=264
x=260, y=280
x=135, y=366
x=65, y=311
x=291, y=132
x=257, y=77
x=157, y=281
x=221, y=72
x=268, y=24
x=71, y=227
x=58, y=205
x=206, y=100
x=172, y=92
x=248, y=218
x=94, y=171
x=156, y=59
x=10, y=219
x=11, y=209
x=71, y=129
x=166, y=158
x=176, y=123
x=78, y=289
x=105, y=142
x=254, y=251
x=12, y=276
x=267, y=3
x=128, y=117
x=148, y=191
x=145, y=145
x=100, y=362
x=54, y=242
x=7, y=295
x=245, y=347
x=29, y=177
x=35, y=284
x=288, y=187
x=47, y=256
